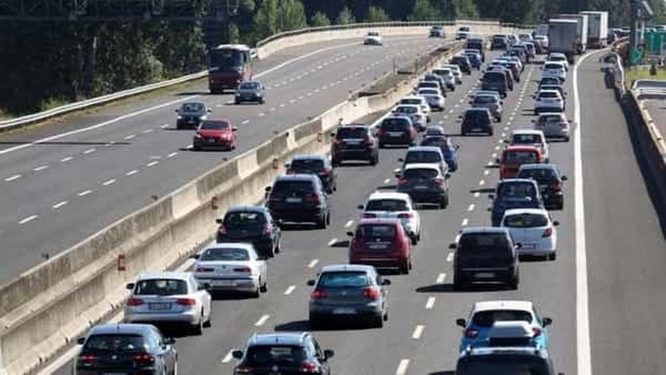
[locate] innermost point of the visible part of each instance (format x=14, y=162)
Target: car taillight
x=471, y=333
x=439, y=180
x=406, y=215
x=308, y=368
x=326, y=172
x=547, y=233
x=87, y=358
x=290, y=171
x=312, y=198
x=371, y=293
x=134, y=302
x=204, y=269
x=368, y=141
x=335, y=141
x=266, y=229
x=557, y=185
x=222, y=230
x=537, y=331
x=274, y=198
x=186, y=301
x=380, y=132
x=402, y=181
x=319, y=294
x=367, y=215
x=243, y=269
x=143, y=359
x=243, y=370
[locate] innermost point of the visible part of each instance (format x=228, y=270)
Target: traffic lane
x=625, y=244
x=657, y=110
x=127, y=177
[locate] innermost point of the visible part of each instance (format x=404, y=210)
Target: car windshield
x=214, y=125
x=395, y=124
x=548, y=94
x=244, y=219
x=516, y=191
x=489, y=317
x=503, y=365
x=192, y=107
x=292, y=188
x=161, y=287
x=556, y=58
x=543, y=176
x=492, y=77
x=386, y=205
x=266, y=355
x=377, y=231
x=429, y=92
x=526, y=139
x=115, y=343
x=307, y=164
x=222, y=254
x=406, y=109
x=486, y=99
x=249, y=86
x=480, y=244
x=443, y=72
x=346, y=279
x=525, y=220
x=423, y=157
x=420, y=173
x=351, y=132
x=459, y=60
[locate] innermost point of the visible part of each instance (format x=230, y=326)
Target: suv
x=549, y=179
x=396, y=130
x=354, y=142
x=250, y=224
x=554, y=125
x=299, y=198
x=548, y=101
x=463, y=62
x=477, y=44
x=381, y=243
x=477, y=120
x=316, y=164
x=492, y=102
x=495, y=81
x=505, y=360
x=126, y=348
x=283, y=353
x=514, y=193
x=499, y=42
x=425, y=183
x=484, y=254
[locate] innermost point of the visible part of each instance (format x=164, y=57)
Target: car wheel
x=378, y=322
x=458, y=283
x=264, y=287
x=414, y=239
x=175, y=367
x=552, y=256
x=237, y=101
x=335, y=162
x=198, y=328
x=262, y=101
x=321, y=222
x=491, y=132
x=566, y=139
x=374, y=160
x=513, y=284
x=208, y=323
x=404, y=267
x=328, y=218
x=444, y=202
x=257, y=292
x=270, y=253
x=278, y=245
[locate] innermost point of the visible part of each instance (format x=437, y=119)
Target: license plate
x=344, y=311
x=114, y=373
x=420, y=187
x=353, y=142
x=294, y=200
x=378, y=246
x=223, y=283
x=395, y=134
x=210, y=140
x=477, y=129
x=159, y=306
x=528, y=246
x=484, y=275
x=190, y=121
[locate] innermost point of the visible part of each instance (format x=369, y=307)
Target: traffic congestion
x=383, y=236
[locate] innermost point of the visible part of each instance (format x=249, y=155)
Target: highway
x=62, y=182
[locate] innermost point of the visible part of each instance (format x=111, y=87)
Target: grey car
x=492, y=102
x=349, y=292
x=191, y=114
x=250, y=91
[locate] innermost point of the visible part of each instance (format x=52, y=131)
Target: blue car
x=514, y=193
x=474, y=59
x=486, y=318
x=449, y=150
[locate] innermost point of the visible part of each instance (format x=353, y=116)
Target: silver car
x=351, y=292
x=492, y=102
x=168, y=298
x=419, y=119
x=553, y=125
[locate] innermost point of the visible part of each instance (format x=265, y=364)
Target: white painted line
x=262, y=320
x=449, y=258
x=130, y=136
x=89, y=151
x=164, y=126
x=228, y=357
x=464, y=222
x=476, y=194
x=486, y=172
x=440, y=278
x=272, y=109
x=282, y=105
x=28, y=219
x=261, y=114
x=332, y=242
x=289, y=290
x=503, y=135
x=132, y=172
x=456, y=105
x=482, y=182
x=418, y=331
x=109, y=182
x=12, y=178
x=494, y=155
x=84, y=193
x=172, y=155
x=470, y=208
x=402, y=367
x=147, y=131
x=60, y=204
x=313, y=263
x=300, y=97
x=387, y=180
x=451, y=111
x=244, y=122
x=152, y=163
x=430, y=303
x=40, y=168
x=65, y=160
x=506, y=128
x=500, y=141
x=292, y=101
x=349, y=223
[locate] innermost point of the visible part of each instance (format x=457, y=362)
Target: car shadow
x=353, y=164
x=351, y=324
x=340, y=243
x=202, y=93
x=492, y=166
x=483, y=191
x=448, y=288
x=442, y=373
x=292, y=227
x=230, y=296
x=386, y=187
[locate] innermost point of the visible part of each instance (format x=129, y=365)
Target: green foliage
x=423, y=10
x=319, y=19
x=345, y=17
x=377, y=14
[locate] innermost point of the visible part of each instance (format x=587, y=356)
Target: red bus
x=228, y=65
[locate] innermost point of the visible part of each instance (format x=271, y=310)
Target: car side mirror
x=518, y=245
x=546, y=321
x=80, y=340
x=234, y=129
x=397, y=174
x=532, y=121
x=311, y=282
x=564, y=178
x=286, y=165
x=129, y=286
x=267, y=189
x=461, y=322
x=452, y=246
x=360, y=207
x=328, y=353
x=177, y=110
x=209, y=110
x=219, y=220
x=350, y=234
x=491, y=196
x=195, y=256
x=497, y=161
x=556, y=223
x=386, y=282
x=332, y=134
x=169, y=341
x=238, y=354
x=447, y=175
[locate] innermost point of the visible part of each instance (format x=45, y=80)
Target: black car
x=316, y=164
x=549, y=81
x=250, y=91
x=283, y=353
x=437, y=78
x=477, y=120
x=463, y=62
x=485, y=254
x=508, y=73
x=477, y=44
x=298, y=198
x=191, y=114
x=505, y=360
x=514, y=193
x=549, y=179
x=396, y=130
x=126, y=348
x=499, y=42
x=424, y=183
x=251, y=224
x=354, y=142
x=495, y=81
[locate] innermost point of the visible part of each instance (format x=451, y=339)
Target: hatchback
x=434, y=98
x=463, y=62
x=231, y=267
x=530, y=137
x=316, y=164
x=382, y=243
x=477, y=120
x=534, y=230
x=394, y=205
x=215, y=134
x=354, y=142
x=299, y=198
x=515, y=156
x=447, y=75
x=548, y=101
x=554, y=125
x=425, y=183
x=190, y=115
x=555, y=69
x=514, y=193
x=491, y=102
x=250, y=91
x=250, y=224
x=414, y=112
x=396, y=130
x=550, y=182
x=424, y=155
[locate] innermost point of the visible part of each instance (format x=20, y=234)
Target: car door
x=276, y=232
x=382, y=289
x=159, y=347
x=201, y=294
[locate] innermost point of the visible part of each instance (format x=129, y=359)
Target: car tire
x=321, y=222
x=198, y=328
x=404, y=267
x=262, y=101
x=335, y=162
x=237, y=102
x=278, y=245
x=256, y=293
x=196, y=148
x=378, y=322
x=375, y=160
x=566, y=139
x=208, y=323
x=491, y=132
x=270, y=253
x=175, y=367
x=445, y=201
x=552, y=256
x=414, y=240
x=458, y=283
x=263, y=288
x=513, y=283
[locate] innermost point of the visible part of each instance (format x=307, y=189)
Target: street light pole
x=633, y=24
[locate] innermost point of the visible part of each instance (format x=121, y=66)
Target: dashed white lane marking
x=261, y=114
x=132, y=172
x=449, y=258
x=486, y=172
x=65, y=160
x=482, y=182
x=349, y=223
x=40, y=168
x=456, y=105
x=506, y=128
x=152, y=163
x=84, y=193
x=272, y=109
x=503, y=135
x=387, y=180
x=130, y=136
x=292, y=101
x=28, y=219
x=494, y=155
x=464, y=222
x=430, y=303
x=164, y=126
x=313, y=263
x=440, y=278
x=228, y=357
x=451, y=111
x=59, y=204
x=497, y=148
x=172, y=155
x=470, y=208
x=12, y=178
x=289, y=290
x=282, y=105
x=109, y=182
x=477, y=194
x=147, y=131
x=245, y=122
x=418, y=331
x=332, y=242
x=402, y=367
x=262, y=320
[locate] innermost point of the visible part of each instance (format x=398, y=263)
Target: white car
x=168, y=297
x=428, y=85
x=525, y=37
x=558, y=57
x=434, y=130
x=533, y=230
x=553, y=125
x=447, y=76
x=530, y=137
x=434, y=98
x=542, y=41
x=393, y=205
x=455, y=69
x=555, y=69
x=419, y=119
x=417, y=100
x=373, y=38
x=231, y=267
x=548, y=101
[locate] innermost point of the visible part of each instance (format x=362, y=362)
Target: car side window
x=154, y=339
x=194, y=285
x=317, y=349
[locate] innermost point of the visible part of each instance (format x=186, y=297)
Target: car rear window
x=526, y=139
x=265, y=355
x=415, y=173
x=386, y=205
x=346, y=279
x=486, y=99
x=550, y=118
x=293, y=187
x=307, y=164
x=542, y=176
x=161, y=287
x=520, y=157
x=430, y=84
x=115, y=343
x=476, y=115
x=428, y=92
x=548, y=94
x=434, y=141
x=395, y=124
x=222, y=254
x=377, y=231
x=411, y=101
x=553, y=67
x=351, y=132
x=214, y=125
x=494, y=77
x=489, y=317
x=249, y=85
x=242, y=219
x=480, y=244
x=515, y=190
x=525, y=220
x=423, y=157
x=406, y=109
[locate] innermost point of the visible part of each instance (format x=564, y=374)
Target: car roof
x=539, y=166
x=503, y=305
x=472, y=230
x=424, y=148
x=520, y=211
x=247, y=208
x=516, y=181
x=432, y=166
x=281, y=338
x=388, y=195
x=346, y=267
x=353, y=126
x=412, y=97
x=164, y=275
x=384, y=221
x=123, y=328
x=511, y=329
x=521, y=148
x=295, y=177
x=527, y=131
x=309, y=156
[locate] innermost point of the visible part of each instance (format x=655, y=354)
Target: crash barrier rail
x=46, y=308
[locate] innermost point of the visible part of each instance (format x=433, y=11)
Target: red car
x=382, y=243
x=515, y=156
x=215, y=134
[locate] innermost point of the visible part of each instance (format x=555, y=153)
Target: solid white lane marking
x=440, y=278
x=65, y=160
x=313, y=263
x=332, y=242
x=261, y=114
x=28, y=219
x=84, y=193
x=228, y=357
x=430, y=303
x=109, y=182
x=40, y=168
x=172, y=155
x=132, y=172
x=464, y=222
x=59, y=204
x=402, y=367
x=349, y=223
x=12, y=178
x=418, y=331
x=152, y=163
x=449, y=258
x=470, y=208
x=289, y=290
x=272, y=109
x=262, y=320
x=130, y=136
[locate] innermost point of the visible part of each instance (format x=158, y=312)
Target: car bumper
x=353, y=155
x=548, y=108
x=344, y=311
x=248, y=98
x=241, y=284
x=200, y=143
x=430, y=196
x=379, y=262
x=485, y=275
x=297, y=215
x=260, y=244
x=185, y=317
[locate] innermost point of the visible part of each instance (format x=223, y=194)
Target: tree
x=319, y=19
x=377, y=14
x=266, y=19
x=424, y=11
x=345, y=17
x=291, y=15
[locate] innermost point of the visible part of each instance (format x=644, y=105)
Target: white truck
x=541, y=29
x=597, y=29
x=562, y=36
x=581, y=37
